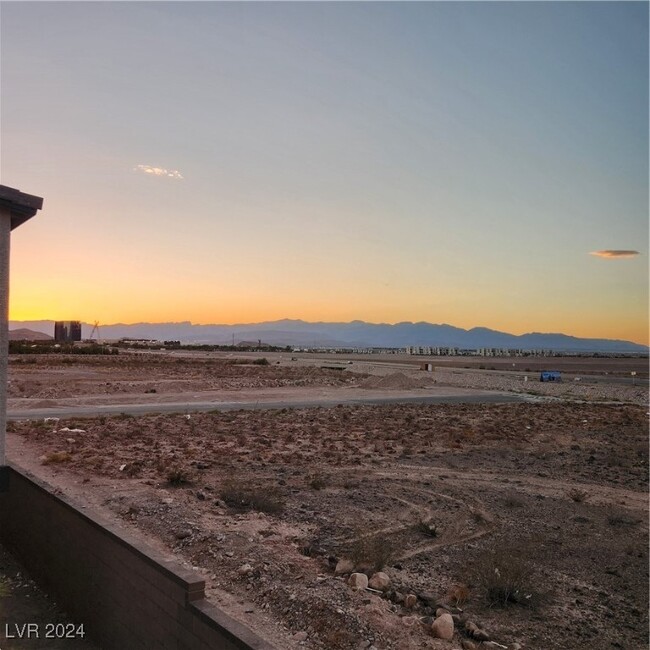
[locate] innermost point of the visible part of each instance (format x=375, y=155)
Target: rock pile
x=442, y=619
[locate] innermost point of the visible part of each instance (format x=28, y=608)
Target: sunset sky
x=477, y=164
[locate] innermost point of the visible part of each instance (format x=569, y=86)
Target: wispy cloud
x=159, y=171
x=614, y=254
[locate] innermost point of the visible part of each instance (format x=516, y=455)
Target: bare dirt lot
x=37, y=382
x=529, y=520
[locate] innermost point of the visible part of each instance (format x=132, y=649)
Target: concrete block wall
x=123, y=592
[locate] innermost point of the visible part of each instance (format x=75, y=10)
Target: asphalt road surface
x=197, y=407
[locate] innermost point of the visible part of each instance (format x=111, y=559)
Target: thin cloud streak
x=615, y=254
x=159, y=171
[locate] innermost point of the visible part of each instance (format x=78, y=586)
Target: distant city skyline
x=477, y=164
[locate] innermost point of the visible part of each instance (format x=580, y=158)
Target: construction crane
x=94, y=329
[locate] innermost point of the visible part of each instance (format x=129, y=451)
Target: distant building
x=67, y=331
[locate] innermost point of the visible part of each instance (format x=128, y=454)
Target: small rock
x=344, y=566
x=429, y=598
x=440, y=611
x=410, y=601
x=515, y=646
x=300, y=636
x=468, y=645
x=183, y=534
x=443, y=627
x=476, y=632
x=379, y=581
x=358, y=581
x=200, y=496
x=245, y=569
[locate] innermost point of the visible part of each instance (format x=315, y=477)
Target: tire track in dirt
x=453, y=534
x=606, y=495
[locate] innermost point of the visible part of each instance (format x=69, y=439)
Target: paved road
x=196, y=407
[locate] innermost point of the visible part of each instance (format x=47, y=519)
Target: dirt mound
x=396, y=380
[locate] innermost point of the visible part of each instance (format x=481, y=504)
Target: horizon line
x=421, y=322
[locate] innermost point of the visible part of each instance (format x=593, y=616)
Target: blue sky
x=449, y=162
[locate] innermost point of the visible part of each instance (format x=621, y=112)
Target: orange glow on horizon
x=136, y=289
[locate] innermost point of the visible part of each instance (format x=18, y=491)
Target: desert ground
x=527, y=522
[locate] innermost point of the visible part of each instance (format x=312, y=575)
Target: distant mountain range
x=24, y=334
x=354, y=334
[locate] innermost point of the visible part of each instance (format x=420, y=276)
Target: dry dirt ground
x=454, y=502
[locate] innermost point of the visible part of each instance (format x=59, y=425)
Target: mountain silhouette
x=349, y=334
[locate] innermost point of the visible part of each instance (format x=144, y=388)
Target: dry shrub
x=578, y=495
x=178, y=475
x=622, y=520
x=243, y=496
x=458, y=594
x=427, y=528
x=318, y=482
x=506, y=575
x=339, y=638
x=512, y=501
x=371, y=551
x=480, y=517
x=56, y=457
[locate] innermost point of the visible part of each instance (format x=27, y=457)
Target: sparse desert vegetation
x=527, y=523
